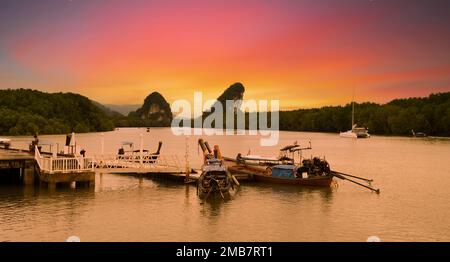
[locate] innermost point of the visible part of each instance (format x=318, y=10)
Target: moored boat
x=5, y=142
x=418, y=134
x=284, y=170
x=215, y=178
x=355, y=132
x=286, y=174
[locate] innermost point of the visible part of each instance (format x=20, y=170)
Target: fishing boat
x=291, y=168
x=215, y=178
x=355, y=132
x=284, y=169
x=418, y=134
x=308, y=174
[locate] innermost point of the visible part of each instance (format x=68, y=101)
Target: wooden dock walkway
x=33, y=167
x=16, y=165
x=175, y=177
x=28, y=168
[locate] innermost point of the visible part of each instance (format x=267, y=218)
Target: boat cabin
x=360, y=132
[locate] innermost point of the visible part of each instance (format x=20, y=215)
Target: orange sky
x=305, y=53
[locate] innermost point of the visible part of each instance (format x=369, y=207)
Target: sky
x=306, y=53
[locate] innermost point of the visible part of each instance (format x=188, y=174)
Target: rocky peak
x=234, y=92
x=155, y=110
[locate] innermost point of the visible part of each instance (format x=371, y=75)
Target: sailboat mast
x=353, y=113
x=353, y=108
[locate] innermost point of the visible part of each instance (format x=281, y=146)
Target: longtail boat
x=215, y=178
x=312, y=172
x=283, y=169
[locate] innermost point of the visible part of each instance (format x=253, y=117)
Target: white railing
x=64, y=164
x=39, y=158
x=134, y=161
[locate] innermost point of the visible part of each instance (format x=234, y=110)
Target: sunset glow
x=305, y=53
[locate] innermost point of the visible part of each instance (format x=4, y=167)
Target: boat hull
x=354, y=135
x=261, y=174
x=319, y=181
x=348, y=134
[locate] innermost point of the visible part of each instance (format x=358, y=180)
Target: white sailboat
x=355, y=132
x=4, y=140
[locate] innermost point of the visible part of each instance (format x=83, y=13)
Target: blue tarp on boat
x=283, y=171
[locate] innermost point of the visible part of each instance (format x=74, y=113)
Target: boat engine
x=315, y=167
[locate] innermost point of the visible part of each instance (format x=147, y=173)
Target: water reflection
x=24, y=207
x=412, y=206
x=31, y=192
x=212, y=207
x=291, y=190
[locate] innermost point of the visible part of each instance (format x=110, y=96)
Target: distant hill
x=26, y=112
x=154, y=112
x=108, y=110
x=430, y=115
x=123, y=109
x=426, y=114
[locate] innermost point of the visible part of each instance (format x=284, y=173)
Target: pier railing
x=143, y=162
x=64, y=164
x=140, y=161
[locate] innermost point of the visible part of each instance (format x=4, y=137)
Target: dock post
x=186, y=160
x=103, y=143
x=28, y=175
x=141, y=148
x=102, y=146
x=51, y=186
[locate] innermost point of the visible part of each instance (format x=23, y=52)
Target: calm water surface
x=413, y=175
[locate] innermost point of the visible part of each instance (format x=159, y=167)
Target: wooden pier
x=175, y=177
x=17, y=167
x=25, y=167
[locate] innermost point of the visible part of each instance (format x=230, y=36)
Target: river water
x=413, y=175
